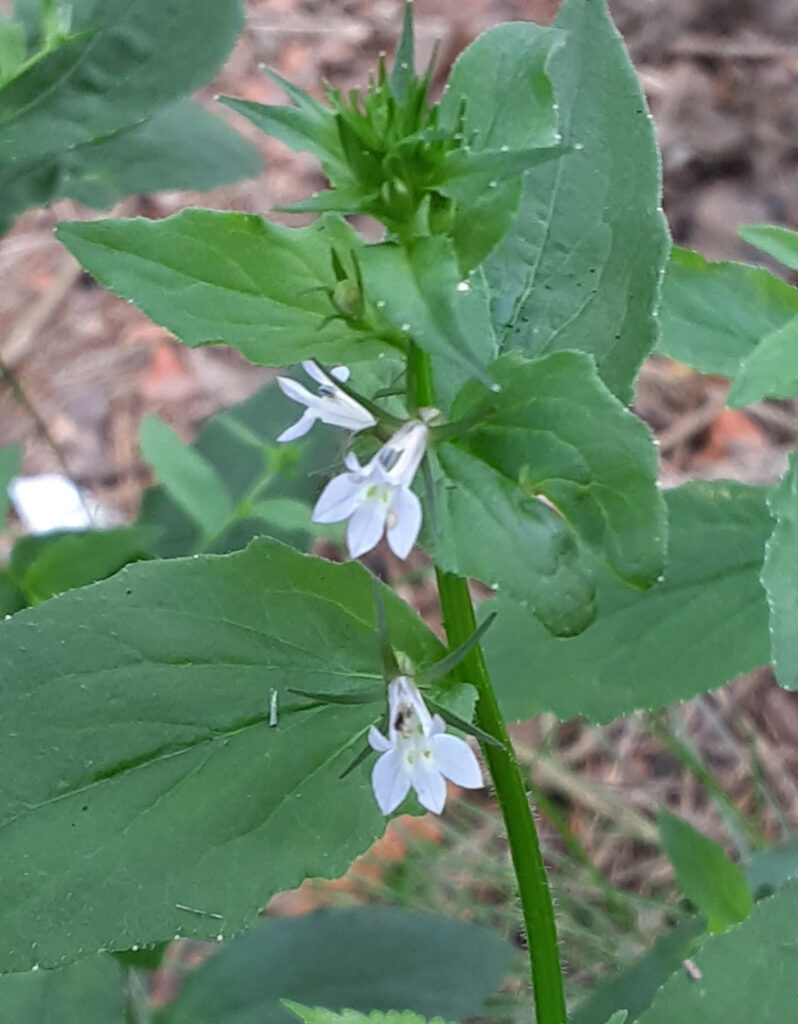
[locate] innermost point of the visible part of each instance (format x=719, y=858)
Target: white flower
x=418, y=753
x=376, y=498
x=53, y=502
x=331, y=405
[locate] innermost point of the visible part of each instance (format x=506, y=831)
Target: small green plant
x=195, y=734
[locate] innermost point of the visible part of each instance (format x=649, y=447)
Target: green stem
x=420, y=388
x=460, y=623
x=530, y=871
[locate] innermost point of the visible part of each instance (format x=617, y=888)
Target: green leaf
x=713, y=884
x=488, y=528
x=318, y=1015
x=239, y=443
x=747, y=973
x=213, y=277
x=11, y=597
x=136, y=715
x=714, y=314
x=772, y=867
x=704, y=624
x=420, y=291
x=779, y=576
x=779, y=242
x=580, y=265
x=771, y=370
x=503, y=77
x=180, y=147
x=53, y=563
x=12, y=46
x=10, y=466
x=90, y=990
x=22, y=187
x=130, y=58
x=620, y=1017
x=557, y=430
x=308, y=127
x=404, y=64
x=188, y=477
x=635, y=986
x=362, y=958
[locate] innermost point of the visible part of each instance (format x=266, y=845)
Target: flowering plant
x=188, y=737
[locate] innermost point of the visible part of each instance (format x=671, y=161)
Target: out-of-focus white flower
x=418, y=752
x=52, y=502
x=331, y=405
x=376, y=498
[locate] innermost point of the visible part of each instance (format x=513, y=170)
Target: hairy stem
x=533, y=886
x=460, y=623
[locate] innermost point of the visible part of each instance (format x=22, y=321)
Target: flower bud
x=347, y=299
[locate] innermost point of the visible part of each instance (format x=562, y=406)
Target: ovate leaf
x=482, y=524
x=771, y=370
x=780, y=577
x=136, y=714
x=362, y=959
x=56, y=562
x=635, y=986
x=779, y=242
x=580, y=265
x=224, y=277
x=705, y=623
x=504, y=80
x=188, y=477
x=558, y=431
x=746, y=974
x=12, y=46
x=420, y=291
x=712, y=883
x=180, y=147
x=318, y=1015
x=128, y=58
x=772, y=867
x=90, y=990
x=715, y=314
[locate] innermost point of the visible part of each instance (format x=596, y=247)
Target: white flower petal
x=438, y=725
x=341, y=373
x=342, y=411
x=338, y=500
x=456, y=760
x=402, y=454
x=366, y=526
x=352, y=464
x=315, y=372
x=297, y=392
x=407, y=692
x=377, y=741
x=406, y=522
x=48, y=502
x=390, y=781
x=301, y=427
x=430, y=787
